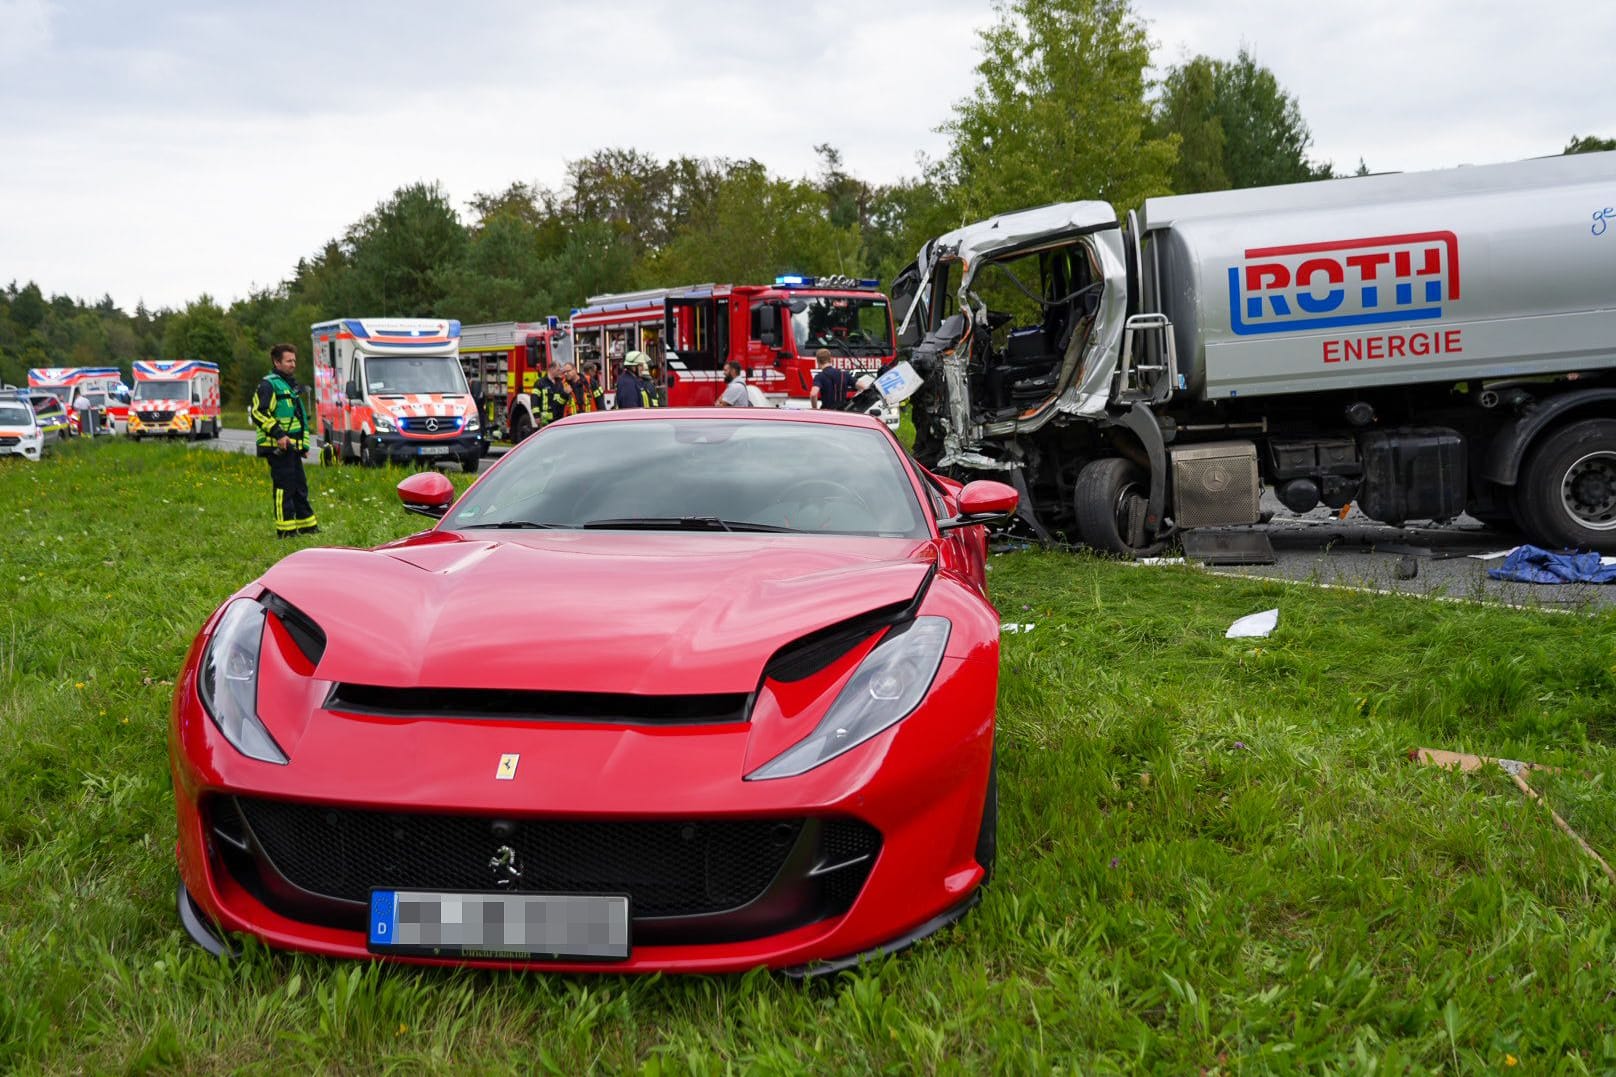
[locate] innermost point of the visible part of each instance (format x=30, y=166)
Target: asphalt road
x=243, y=441
x=1317, y=548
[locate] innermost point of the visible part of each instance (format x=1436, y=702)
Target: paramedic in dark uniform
x=633, y=390
x=283, y=437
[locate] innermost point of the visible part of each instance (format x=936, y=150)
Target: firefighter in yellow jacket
x=278, y=415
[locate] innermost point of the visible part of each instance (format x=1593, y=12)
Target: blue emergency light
x=793, y=280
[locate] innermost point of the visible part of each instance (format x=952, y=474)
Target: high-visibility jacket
x=550, y=401
x=590, y=397
x=277, y=412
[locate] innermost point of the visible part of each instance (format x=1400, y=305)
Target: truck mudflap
x=1142, y=423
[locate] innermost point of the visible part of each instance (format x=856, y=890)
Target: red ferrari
x=664, y=690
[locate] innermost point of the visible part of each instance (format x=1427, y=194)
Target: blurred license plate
x=434, y=450
x=590, y=927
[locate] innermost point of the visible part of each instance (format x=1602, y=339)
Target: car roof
x=786, y=415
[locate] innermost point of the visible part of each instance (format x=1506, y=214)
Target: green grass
x=1213, y=853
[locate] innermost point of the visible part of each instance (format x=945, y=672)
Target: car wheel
x=1567, y=494
x=1111, y=496
x=987, y=838
x=521, y=427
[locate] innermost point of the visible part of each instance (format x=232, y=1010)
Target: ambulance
x=391, y=390
x=175, y=398
x=102, y=384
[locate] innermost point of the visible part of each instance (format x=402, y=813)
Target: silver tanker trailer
x=1421, y=344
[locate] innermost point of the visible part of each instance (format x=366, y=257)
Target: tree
x=1058, y=111
x=399, y=249
x=28, y=307
x=759, y=226
x=1236, y=126
x=1589, y=144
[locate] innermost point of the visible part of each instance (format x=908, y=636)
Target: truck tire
x=366, y=457
x=1108, y=493
x=521, y=427
x=1567, y=495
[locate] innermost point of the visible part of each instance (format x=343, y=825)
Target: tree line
x=1063, y=107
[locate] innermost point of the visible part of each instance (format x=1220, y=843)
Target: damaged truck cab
x=1421, y=345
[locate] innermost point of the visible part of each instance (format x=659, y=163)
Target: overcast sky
x=160, y=150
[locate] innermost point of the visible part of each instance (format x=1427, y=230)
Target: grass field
x=1213, y=853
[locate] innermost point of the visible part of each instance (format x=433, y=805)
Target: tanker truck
x=1420, y=345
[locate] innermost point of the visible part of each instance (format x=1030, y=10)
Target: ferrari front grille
x=611, y=707
x=783, y=872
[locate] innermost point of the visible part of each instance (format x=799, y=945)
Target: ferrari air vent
x=529, y=706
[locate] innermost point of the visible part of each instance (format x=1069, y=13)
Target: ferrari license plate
x=512, y=927
x=434, y=450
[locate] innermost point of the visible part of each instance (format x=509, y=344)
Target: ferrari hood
x=644, y=612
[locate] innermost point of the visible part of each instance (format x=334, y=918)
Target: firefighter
x=633, y=388
x=549, y=394
x=830, y=384
x=277, y=414
x=593, y=396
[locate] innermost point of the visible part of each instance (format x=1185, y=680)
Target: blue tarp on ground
x=1528, y=564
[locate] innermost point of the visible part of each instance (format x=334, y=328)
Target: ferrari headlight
x=384, y=425
x=887, y=686
x=228, y=682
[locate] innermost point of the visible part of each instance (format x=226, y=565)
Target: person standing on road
x=277, y=414
x=830, y=384
x=734, y=394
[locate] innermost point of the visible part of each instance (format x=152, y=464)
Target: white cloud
x=25, y=28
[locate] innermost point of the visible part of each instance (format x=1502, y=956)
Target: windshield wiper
x=680, y=523
x=513, y=524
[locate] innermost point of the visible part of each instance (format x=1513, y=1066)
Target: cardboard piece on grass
x=1254, y=625
x=1469, y=764
x=1517, y=772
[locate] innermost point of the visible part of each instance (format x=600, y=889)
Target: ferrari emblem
x=507, y=767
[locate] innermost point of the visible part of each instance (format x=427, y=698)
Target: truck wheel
x=1110, y=495
x=213, y=431
x=1568, y=489
x=366, y=457
x=521, y=427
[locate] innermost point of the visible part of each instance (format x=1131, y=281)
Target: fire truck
x=772, y=330
x=175, y=398
x=391, y=389
x=102, y=384
x=505, y=360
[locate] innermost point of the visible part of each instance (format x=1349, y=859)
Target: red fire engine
x=773, y=331
x=505, y=360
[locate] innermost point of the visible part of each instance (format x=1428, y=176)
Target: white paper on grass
x=1253, y=625
x=1011, y=626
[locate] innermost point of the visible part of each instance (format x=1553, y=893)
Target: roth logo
x=1347, y=282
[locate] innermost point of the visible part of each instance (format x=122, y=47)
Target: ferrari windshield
x=160, y=390
x=701, y=474
x=844, y=323
x=414, y=374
